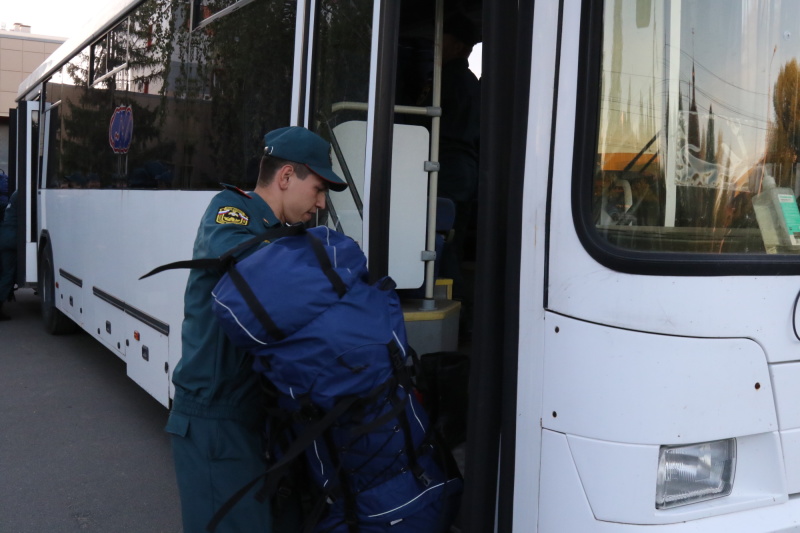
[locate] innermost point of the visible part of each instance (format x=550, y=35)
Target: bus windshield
x=698, y=135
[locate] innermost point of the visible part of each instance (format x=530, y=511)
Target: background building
x=20, y=53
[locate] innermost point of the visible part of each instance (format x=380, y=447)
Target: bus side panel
x=147, y=356
x=139, y=320
x=618, y=395
x=70, y=296
x=785, y=378
x=653, y=389
x=155, y=304
x=81, y=237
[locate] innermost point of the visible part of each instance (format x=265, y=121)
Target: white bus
x=635, y=351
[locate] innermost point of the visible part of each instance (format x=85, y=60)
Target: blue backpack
x=334, y=348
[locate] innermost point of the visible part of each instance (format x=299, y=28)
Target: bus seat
x=445, y=218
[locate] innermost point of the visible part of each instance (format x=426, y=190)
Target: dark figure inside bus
x=3, y=193
x=459, y=136
x=216, y=420
x=459, y=146
x=8, y=254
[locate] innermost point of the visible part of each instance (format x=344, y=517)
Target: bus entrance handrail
x=426, y=111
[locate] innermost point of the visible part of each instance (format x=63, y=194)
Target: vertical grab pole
x=433, y=182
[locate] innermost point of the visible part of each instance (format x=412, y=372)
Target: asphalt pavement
x=82, y=447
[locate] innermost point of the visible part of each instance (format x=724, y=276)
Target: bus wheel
x=55, y=322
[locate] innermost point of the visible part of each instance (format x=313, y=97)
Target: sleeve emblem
x=232, y=215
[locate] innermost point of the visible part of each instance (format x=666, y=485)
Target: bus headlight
x=695, y=472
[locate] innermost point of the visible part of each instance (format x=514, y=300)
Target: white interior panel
x=407, y=219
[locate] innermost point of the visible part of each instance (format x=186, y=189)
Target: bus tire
x=55, y=322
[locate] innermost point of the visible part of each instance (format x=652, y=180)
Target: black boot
x=3, y=316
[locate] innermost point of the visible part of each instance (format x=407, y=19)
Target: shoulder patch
x=232, y=215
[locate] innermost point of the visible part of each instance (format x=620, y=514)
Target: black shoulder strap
x=223, y=262
x=273, y=233
x=188, y=263
x=254, y=305
x=303, y=441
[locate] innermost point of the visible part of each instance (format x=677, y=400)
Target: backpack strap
x=188, y=263
x=255, y=306
x=227, y=259
x=273, y=233
x=312, y=432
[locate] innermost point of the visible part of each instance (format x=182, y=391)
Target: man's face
x=303, y=197
x=452, y=48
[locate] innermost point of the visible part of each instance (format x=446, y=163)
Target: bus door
x=27, y=170
x=349, y=102
x=382, y=145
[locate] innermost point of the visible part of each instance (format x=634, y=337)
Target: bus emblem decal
x=120, y=129
x=232, y=215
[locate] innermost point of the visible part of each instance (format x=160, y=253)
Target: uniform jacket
x=213, y=378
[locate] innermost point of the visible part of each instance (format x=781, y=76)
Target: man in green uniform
x=216, y=420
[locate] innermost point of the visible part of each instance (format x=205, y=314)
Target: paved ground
x=82, y=447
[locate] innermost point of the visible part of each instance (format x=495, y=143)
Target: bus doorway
x=487, y=250
x=483, y=123
x=408, y=124
x=25, y=172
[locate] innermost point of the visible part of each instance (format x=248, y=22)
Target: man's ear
x=283, y=176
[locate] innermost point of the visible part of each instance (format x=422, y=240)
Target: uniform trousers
x=213, y=460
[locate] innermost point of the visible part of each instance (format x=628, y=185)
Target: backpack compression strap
x=398, y=411
x=325, y=263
